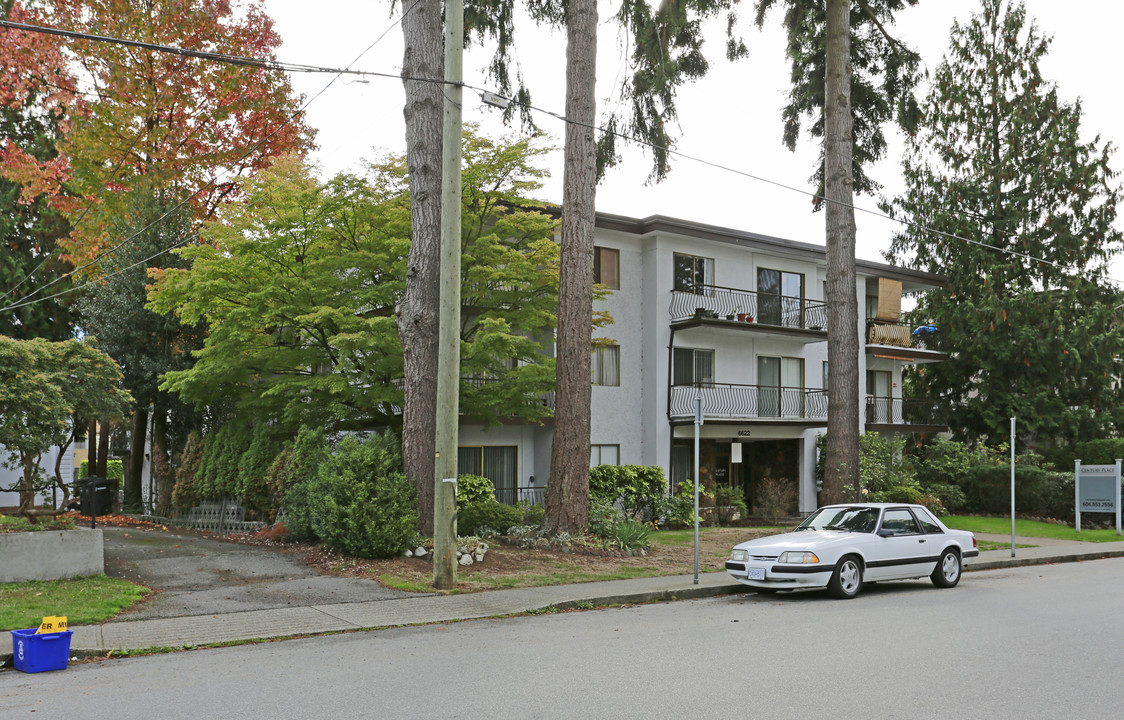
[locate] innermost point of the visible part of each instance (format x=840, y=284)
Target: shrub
x=776, y=498
x=360, y=502
x=730, y=501
x=638, y=488
x=881, y=467
x=1094, y=452
x=678, y=510
x=297, y=461
x=183, y=494
x=1038, y=492
x=532, y=514
x=488, y=514
x=603, y=516
x=629, y=534
x=473, y=489
x=114, y=470
x=222, y=453
x=253, y=474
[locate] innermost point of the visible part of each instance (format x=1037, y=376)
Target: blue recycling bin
x=40, y=652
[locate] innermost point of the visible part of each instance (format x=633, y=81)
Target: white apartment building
x=739, y=320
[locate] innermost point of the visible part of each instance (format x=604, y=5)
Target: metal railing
x=898, y=411
x=513, y=495
x=900, y=334
x=727, y=400
x=748, y=306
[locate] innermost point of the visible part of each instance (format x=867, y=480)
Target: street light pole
x=449, y=324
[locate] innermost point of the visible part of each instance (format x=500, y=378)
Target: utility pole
x=449, y=324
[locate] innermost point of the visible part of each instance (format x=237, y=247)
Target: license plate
x=756, y=573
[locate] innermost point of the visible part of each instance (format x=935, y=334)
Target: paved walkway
x=197, y=630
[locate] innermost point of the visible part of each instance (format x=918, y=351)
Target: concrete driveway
x=195, y=575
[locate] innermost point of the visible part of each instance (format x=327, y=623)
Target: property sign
x=1097, y=489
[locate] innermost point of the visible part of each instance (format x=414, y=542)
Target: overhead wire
x=295, y=67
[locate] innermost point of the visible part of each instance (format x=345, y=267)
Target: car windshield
x=850, y=519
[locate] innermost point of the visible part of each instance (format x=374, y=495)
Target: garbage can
x=95, y=494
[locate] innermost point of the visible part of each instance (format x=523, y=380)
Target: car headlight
x=798, y=557
x=739, y=555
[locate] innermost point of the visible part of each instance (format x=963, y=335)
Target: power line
x=294, y=67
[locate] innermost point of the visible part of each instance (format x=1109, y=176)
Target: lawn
x=82, y=600
x=1028, y=528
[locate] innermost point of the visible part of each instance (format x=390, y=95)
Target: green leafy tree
x=301, y=299
x=1018, y=211
x=47, y=389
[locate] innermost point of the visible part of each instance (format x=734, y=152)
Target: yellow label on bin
x=52, y=624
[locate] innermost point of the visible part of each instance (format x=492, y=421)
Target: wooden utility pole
x=449, y=333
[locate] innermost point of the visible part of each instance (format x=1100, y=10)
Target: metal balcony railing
x=748, y=306
x=729, y=401
x=511, y=496
x=898, y=411
x=901, y=334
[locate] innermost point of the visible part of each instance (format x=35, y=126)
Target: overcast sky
x=730, y=118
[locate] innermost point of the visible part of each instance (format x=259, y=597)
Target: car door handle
x=921, y=540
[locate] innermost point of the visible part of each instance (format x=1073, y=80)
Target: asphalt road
x=1034, y=642
x=194, y=575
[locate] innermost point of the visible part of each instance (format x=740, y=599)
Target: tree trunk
x=417, y=314
x=161, y=467
x=567, y=497
x=131, y=498
x=92, y=447
x=27, y=485
x=841, y=465
x=102, y=467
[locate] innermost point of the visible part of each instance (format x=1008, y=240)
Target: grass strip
x=1028, y=528
x=83, y=600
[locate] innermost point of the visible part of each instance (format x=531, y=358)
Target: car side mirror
x=886, y=533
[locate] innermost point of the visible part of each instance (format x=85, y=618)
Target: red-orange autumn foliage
x=188, y=125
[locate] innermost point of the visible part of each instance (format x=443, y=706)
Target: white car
x=842, y=546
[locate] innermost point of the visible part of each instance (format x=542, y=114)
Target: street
x=1031, y=642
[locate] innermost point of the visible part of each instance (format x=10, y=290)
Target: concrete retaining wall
x=51, y=555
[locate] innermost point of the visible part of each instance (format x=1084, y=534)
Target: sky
x=742, y=176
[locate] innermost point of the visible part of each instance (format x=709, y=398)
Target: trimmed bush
x=253, y=475
x=1096, y=452
x=360, y=502
x=488, y=513
x=638, y=488
x=183, y=494
x=473, y=489
x=1038, y=492
x=114, y=470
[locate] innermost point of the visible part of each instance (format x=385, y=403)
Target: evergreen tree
x=1017, y=211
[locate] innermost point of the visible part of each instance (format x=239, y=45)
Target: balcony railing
x=739, y=402
x=748, y=306
x=896, y=411
x=901, y=334
x=511, y=496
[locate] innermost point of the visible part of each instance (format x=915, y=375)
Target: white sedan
x=842, y=546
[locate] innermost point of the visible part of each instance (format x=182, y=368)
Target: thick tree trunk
x=417, y=314
x=841, y=466
x=567, y=497
x=131, y=498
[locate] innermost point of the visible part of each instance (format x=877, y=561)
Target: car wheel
x=947, y=572
x=847, y=579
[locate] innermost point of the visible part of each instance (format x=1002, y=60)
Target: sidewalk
x=198, y=630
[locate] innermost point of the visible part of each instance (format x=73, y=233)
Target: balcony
x=898, y=340
x=900, y=415
x=725, y=402
x=724, y=307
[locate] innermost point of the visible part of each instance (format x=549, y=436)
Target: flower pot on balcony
x=729, y=317
x=742, y=317
x=700, y=313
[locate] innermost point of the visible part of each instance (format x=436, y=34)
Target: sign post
x=1012, y=487
x=698, y=424
x=1096, y=488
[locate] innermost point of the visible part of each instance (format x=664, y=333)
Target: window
x=604, y=455
x=607, y=267
x=899, y=521
x=780, y=298
x=780, y=383
x=497, y=463
x=693, y=274
x=692, y=366
x=928, y=523
x=606, y=365
x=825, y=375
